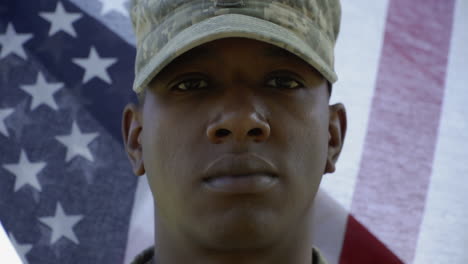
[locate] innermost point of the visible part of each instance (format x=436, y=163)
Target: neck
x=294, y=247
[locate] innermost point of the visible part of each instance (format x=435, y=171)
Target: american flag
x=67, y=193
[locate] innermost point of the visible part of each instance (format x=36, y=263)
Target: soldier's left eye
x=190, y=85
x=284, y=82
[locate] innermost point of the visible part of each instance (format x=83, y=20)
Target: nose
x=241, y=125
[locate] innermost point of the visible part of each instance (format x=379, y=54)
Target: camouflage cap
x=165, y=29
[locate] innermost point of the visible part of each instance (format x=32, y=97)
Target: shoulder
x=145, y=257
x=318, y=257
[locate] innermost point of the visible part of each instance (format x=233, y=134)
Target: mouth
x=251, y=183
x=246, y=173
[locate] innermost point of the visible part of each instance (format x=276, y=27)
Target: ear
x=131, y=132
x=336, y=135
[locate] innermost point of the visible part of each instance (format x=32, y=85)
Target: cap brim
x=225, y=26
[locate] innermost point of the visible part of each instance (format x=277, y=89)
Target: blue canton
x=66, y=186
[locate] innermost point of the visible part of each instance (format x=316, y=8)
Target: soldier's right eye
x=190, y=85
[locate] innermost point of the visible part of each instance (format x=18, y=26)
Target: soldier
x=234, y=128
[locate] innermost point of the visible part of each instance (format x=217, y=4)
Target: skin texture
x=234, y=98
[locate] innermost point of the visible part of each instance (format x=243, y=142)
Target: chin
x=241, y=229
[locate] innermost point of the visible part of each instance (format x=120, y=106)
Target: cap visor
x=225, y=26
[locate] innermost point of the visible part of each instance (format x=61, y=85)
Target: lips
x=246, y=173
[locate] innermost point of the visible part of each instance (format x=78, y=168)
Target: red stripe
x=363, y=247
x=396, y=165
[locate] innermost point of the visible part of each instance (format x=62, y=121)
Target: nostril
x=222, y=132
x=255, y=132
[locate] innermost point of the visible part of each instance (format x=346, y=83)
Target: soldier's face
x=235, y=137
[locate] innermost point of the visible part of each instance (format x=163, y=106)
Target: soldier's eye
x=284, y=82
x=190, y=84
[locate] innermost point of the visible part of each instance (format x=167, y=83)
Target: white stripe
x=117, y=22
x=329, y=226
x=7, y=252
x=141, y=229
x=443, y=235
x=357, y=58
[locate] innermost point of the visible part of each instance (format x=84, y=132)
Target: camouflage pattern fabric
x=147, y=257
x=167, y=28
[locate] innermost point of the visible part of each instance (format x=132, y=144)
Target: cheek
x=151, y=153
x=160, y=162
x=170, y=144
x=311, y=149
x=167, y=133
x=316, y=138
x=156, y=135
x=309, y=161
x=305, y=140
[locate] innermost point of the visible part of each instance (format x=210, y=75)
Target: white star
x=116, y=5
x=95, y=66
x=42, y=92
x=26, y=172
x=77, y=143
x=21, y=249
x=61, y=225
x=4, y=113
x=61, y=20
x=12, y=42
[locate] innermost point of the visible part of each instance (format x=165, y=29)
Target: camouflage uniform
x=147, y=257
